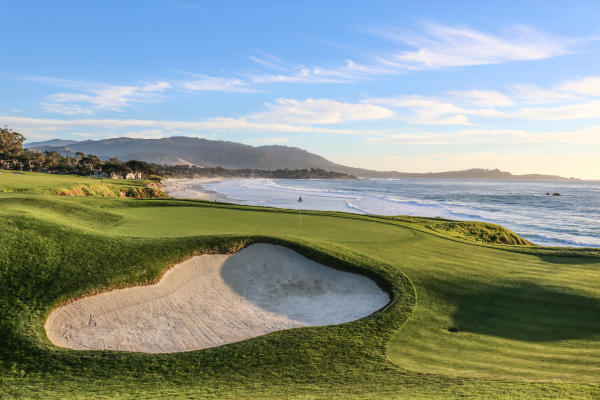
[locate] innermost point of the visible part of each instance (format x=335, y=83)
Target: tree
x=11, y=143
x=140, y=166
x=90, y=162
x=52, y=160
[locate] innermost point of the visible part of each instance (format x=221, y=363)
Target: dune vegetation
x=469, y=316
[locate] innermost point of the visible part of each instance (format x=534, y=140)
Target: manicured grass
x=525, y=320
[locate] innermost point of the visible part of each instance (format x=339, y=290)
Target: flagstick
x=300, y=205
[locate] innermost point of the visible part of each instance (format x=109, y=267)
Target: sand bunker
x=211, y=300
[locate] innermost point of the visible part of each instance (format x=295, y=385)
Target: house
x=98, y=174
x=133, y=175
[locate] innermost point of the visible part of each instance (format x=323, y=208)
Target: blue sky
x=409, y=86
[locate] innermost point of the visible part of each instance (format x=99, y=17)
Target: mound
x=483, y=232
x=211, y=300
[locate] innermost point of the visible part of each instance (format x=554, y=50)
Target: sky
x=387, y=85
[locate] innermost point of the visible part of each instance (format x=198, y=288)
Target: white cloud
x=425, y=110
x=90, y=96
x=270, y=61
x=572, y=100
x=582, y=110
x=242, y=124
x=442, y=46
x=589, y=135
x=589, y=86
x=586, y=87
x=487, y=98
x=320, y=111
x=144, y=134
x=216, y=84
x=435, y=46
x=301, y=74
x=65, y=109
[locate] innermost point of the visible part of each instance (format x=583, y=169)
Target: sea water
x=571, y=219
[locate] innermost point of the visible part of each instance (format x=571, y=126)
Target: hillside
x=180, y=150
x=202, y=152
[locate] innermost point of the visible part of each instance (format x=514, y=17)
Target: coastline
x=186, y=188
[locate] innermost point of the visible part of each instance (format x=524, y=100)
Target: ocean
x=571, y=219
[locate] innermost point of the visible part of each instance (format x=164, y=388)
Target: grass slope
x=526, y=320
x=72, y=185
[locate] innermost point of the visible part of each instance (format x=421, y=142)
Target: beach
x=185, y=188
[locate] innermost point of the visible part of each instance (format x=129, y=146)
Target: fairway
x=466, y=318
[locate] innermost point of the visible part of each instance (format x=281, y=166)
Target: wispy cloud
x=582, y=110
x=271, y=61
x=66, y=109
x=589, y=135
x=242, y=124
x=320, y=111
x=440, y=46
x=577, y=99
x=424, y=110
x=87, y=97
x=433, y=46
x=585, y=87
x=487, y=98
x=216, y=84
x=589, y=87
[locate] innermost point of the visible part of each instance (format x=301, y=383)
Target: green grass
x=526, y=319
x=73, y=185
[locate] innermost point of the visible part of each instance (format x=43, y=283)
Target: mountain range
x=181, y=150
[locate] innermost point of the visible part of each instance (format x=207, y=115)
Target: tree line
x=193, y=171
x=13, y=156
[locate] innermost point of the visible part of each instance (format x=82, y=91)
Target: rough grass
x=479, y=231
x=526, y=319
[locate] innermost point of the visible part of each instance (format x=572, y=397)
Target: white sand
x=211, y=300
x=185, y=188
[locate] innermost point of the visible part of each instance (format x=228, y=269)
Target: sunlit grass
x=489, y=321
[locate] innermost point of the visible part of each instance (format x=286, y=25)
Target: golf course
x=469, y=309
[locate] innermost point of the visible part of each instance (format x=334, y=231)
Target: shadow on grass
x=529, y=312
x=562, y=260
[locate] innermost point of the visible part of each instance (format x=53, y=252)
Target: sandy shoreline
x=191, y=188
x=215, y=299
